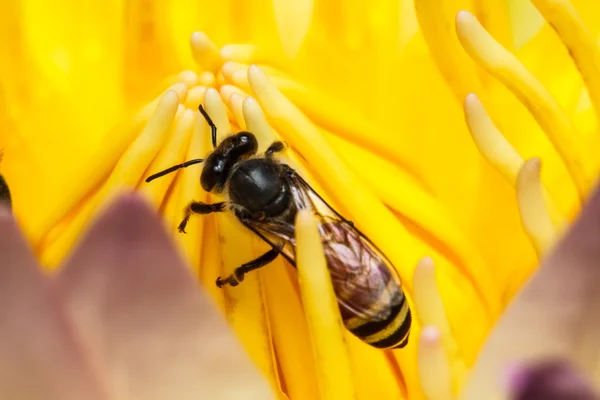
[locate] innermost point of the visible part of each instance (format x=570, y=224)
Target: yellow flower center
x=288, y=320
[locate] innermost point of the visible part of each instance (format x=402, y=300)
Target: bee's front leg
x=198, y=207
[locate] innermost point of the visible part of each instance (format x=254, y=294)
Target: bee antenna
x=213, y=127
x=173, y=169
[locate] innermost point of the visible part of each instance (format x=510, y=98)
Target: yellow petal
x=322, y=313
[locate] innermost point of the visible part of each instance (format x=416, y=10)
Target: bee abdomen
x=391, y=332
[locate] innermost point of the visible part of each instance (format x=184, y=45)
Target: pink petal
x=39, y=357
x=144, y=319
x=556, y=314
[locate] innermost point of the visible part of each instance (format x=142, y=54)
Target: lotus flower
x=372, y=99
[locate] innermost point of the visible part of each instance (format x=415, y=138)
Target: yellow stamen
x=208, y=79
x=507, y=69
x=173, y=152
x=571, y=29
x=236, y=104
x=494, y=147
x=257, y=123
x=146, y=112
x=188, y=78
x=189, y=189
x=436, y=22
x=244, y=304
x=195, y=96
x=126, y=174
x=290, y=331
x=434, y=369
x=322, y=313
x=431, y=313
x=212, y=263
x=534, y=215
x=205, y=52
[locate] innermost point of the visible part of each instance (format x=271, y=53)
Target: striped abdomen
x=372, y=304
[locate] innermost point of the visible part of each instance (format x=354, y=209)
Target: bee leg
x=5, y=193
x=275, y=147
x=198, y=207
x=238, y=274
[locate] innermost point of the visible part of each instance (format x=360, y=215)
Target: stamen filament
x=205, y=52
x=507, y=69
x=429, y=307
x=534, y=215
x=322, y=313
x=494, y=147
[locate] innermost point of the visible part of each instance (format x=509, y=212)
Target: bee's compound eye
x=247, y=143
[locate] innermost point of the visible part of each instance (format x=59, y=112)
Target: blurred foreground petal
x=39, y=354
x=143, y=319
x=555, y=315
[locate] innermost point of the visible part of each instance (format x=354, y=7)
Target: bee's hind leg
x=238, y=274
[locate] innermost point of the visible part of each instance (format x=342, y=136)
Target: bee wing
x=366, y=284
x=279, y=235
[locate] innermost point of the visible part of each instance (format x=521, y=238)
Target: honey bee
x=265, y=196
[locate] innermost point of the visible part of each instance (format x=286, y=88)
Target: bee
x=265, y=196
x=5, y=197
